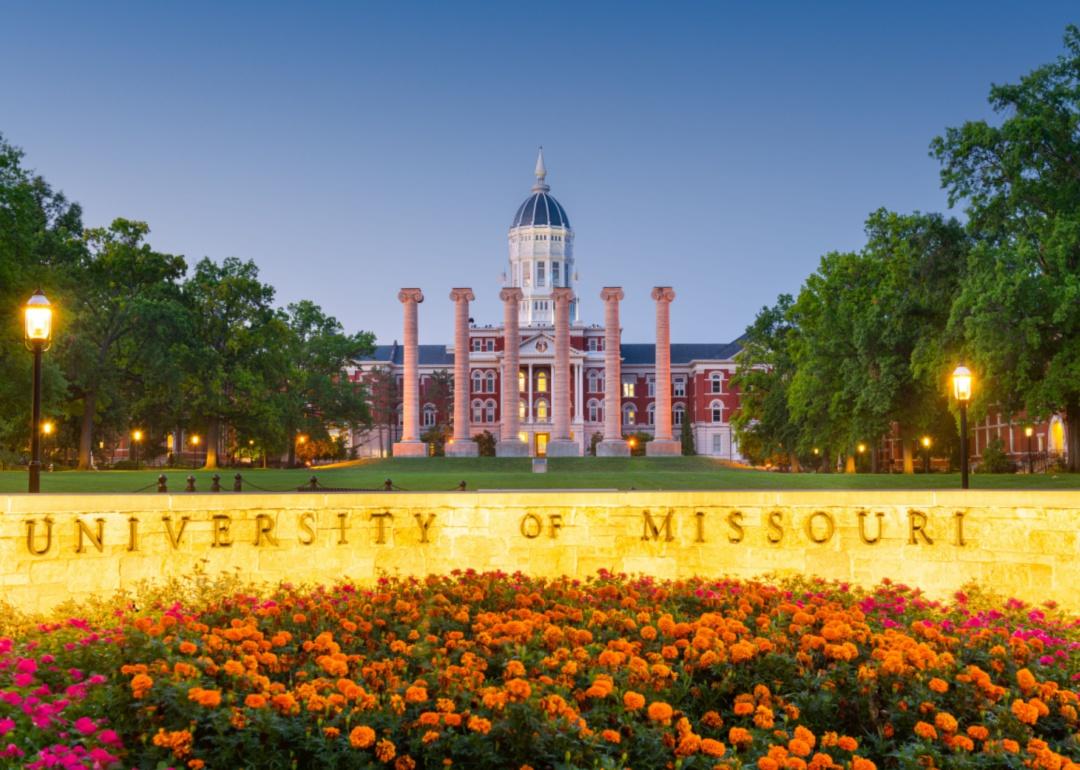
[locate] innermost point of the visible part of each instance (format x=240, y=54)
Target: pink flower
x=109, y=737
x=26, y=666
x=6, y=726
x=23, y=680
x=85, y=725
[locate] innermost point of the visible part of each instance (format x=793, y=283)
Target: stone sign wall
x=1024, y=544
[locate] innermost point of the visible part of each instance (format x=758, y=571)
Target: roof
x=541, y=209
x=430, y=355
x=681, y=353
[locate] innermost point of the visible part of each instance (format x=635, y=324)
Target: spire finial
x=541, y=172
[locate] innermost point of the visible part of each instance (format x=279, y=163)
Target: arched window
x=650, y=414
x=678, y=414
x=489, y=410
x=477, y=382
x=596, y=381
x=541, y=382
x=521, y=410
x=542, y=411
x=490, y=382
x=716, y=383
x=521, y=381
x=429, y=415
x=716, y=412
x=595, y=410
x=629, y=414
x=477, y=411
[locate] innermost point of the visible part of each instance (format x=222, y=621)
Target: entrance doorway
x=540, y=449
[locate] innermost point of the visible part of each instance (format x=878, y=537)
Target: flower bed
x=505, y=671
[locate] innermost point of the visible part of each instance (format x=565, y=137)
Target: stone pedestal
x=511, y=448
x=410, y=449
x=617, y=448
x=563, y=447
x=465, y=448
x=663, y=448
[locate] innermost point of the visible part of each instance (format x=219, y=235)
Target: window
x=429, y=415
x=716, y=383
x=717, y=444
x=521, y=410
x=678, y=414
x=650, y=414
x=596, y=381
x=651, y=382
x=680, y=386
x=489, y=410
x=540, y=280
x=489, y=382
x=477, y=344
x=628, y=387
x=489, y=344
x=594, y=344
x=554, y=273
x=596, y=411
x=541, y=411
x=521, y=381
x=629, y=414
x=477, y=411
x=716, y=411
x=541, y=382
x=477, y=382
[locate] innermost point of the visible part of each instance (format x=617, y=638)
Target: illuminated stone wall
x=56, y=547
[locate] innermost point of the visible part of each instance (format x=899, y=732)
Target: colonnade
x=510, y=443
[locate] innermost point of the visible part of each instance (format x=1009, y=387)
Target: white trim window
x=555, y=277
x=521, y=410
x=489, y=382
x=477, y=382
x=595, y=410
x=489, y=410
x=651, y=384
x=678, y=385
x=478, y=411
x=541, y=382
x=628, y=386
x=542, y=412
x=677, y=415
x=430, y=415
x=650, y=414
x=716, y=412
x=594, y=344
x=716, y=382
x=596, y=381
x=629, y=414
x=718, y=443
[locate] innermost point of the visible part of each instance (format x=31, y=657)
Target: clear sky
x=353, y=148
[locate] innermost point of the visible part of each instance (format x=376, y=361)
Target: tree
x=440, y=393
x=686, y=437
x=119, y=279
x=1019, y=306
x=383, y=402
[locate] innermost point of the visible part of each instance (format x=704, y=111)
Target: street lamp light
x=1029, y=432
x=136, y=437
x=195, y=451
x=37, y=317
x=961, y=380
x=925, y=441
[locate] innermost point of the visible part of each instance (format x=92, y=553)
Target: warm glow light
x=861, y=448
x=926, y=441
x=816, y=451
x=961, y=380
x=38, y=318
x=301, y=439
x=633, y=443
x=251, y=442
x=1029, y=431
x=195, y=440
x=48, y=427
x=136, y=435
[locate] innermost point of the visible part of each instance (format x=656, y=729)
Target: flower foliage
x=501, y=671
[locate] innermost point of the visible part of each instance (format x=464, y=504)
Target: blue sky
x=353, y=148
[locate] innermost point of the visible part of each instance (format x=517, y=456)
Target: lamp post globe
x=961, y=382
x=37, y=335
x=1029, y=431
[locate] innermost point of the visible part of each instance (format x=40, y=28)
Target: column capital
x=462, y=295
x=562, y=294
x=611, y=293
x=663, y=294
x=511, y=294
x=410, y=295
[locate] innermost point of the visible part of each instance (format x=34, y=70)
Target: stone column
x=662, y=444
x=509, y=444
x=410, y=444
x=613, y=444
x=561, y=445
x=462, y=445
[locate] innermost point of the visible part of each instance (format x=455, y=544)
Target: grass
x=506, y=473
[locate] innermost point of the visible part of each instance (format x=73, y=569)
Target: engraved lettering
x=219, y=527
x=342, y=518
x=555, y=521
x=958, y=517
x=652, y=532
x=424, y=525
x=175, y=535
x=862, y=527
x=699, y=517
x=734, y=520
x=96, y=538
x=264, y=529
x=917, y=526
x=133, y=534
x=776, y=530
x=307, y=526
x=531, y=526
x=380, y=518
x=830, y=526
x=30, y=526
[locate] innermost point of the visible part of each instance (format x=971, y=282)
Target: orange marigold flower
x=1010, y=746
x=285, y=703
x=763, y=717
x=233, y=668
x=361, y=737
x=660, y=712
x=741, y=651
x=633, y=700
x=479, y=725
x=1025, y=679
x=255, y=701
x=611, y=736
x=945, y=722
x=207, y=698
x=515, y=668
x=859, y=763
x=961, y=743
x=331, y=732
x=805, y=735
x=925, y=730
x=978, y=732
x=196, y=764
x=712, y=719
x=648, y=633
x=430, y=737
x=140, y=685
x=429, y=719
x=712, y=748
x=385, y=750
x=768, y=763
x=416, y=694
x=938, y=685
x=518, y=689
x=743, y=709
x=847, y=743
x=405, y=762
x=799, y=748
x=740, y=737
x=1025, y=712
x=187, y=648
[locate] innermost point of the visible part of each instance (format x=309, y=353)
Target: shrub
x=436, y=439
x=595, y=439
x=638, y=440
x=686, y=437
x=994, y=459
x=486, y=443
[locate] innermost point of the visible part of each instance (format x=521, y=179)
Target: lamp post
x=136, y=437
x=37, y=336
x=1029, y=432
x=961, y=379
x=926, y=453
x=195, y=451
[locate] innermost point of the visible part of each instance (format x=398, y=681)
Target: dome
x=541, y=209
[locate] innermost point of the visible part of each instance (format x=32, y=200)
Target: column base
x=563, y=447
x=410, y=449
x=614, y=447
x=663, y=448
x=463, y=448
x=512, y=448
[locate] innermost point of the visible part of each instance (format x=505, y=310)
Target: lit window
x=521, y=381
x=628, y=388
x=541, y=382
x=541, y=411
x=716, y=383
x=521, y=410
x=629, y=414
x=680, y=386
x=716, y=411
x=594, y=344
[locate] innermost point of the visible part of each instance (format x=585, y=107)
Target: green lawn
x=492, y=473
